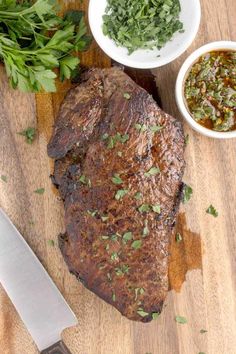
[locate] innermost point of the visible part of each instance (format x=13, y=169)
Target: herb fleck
x=144, y=208
x=51, y=243
x=141, y=127
x=124, y=138
x=178, y=237
x=39, y=191
x=142, y=313
x=112, y=143
x=105, y=237
x=84, y=180
x=155, y=315
x=136, y=244
x=156, y=128
x=114, y=256
x=212, y=211
x=127, y=96
x=29, y=134
x=145, y=229
x=4, y=178
x=202, y=331
x=113, y=297
x=180, y=319
x=120, y=153
x=152, y=172
x=104, y=218
x=105, y=136
x=186, y=139
x=121, y=193
x=113, y=140
x=187, y=193
x=156, y=208
x=124, y=269
x=116, y=179
x=138, y=195
x=92, y=212
x=114, y=237
x=127, y=236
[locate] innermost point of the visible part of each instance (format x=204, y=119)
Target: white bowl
x=179, y=89
x=146, y=59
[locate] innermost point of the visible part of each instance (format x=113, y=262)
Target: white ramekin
x=145, y=59
x=179, y=89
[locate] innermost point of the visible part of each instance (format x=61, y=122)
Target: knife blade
x=33, y=293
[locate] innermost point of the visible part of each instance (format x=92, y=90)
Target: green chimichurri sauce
x=210, y=90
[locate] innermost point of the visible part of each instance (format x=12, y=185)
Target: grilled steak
x=119, y=167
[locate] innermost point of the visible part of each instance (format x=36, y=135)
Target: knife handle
x=57, y=348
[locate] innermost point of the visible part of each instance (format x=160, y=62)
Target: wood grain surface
x=208, y=296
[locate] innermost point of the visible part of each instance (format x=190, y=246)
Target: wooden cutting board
x=208, y=296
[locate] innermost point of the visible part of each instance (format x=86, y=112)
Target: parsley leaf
x=127, y=236
x=39, y=191
x=187, y=193
x=51, y=243
x=141, y=127
x=4, y=178
x=121, y=193
x=127, y=96
x=92, y=212
x=155, y=315
x=152, y=172
x=180, y=319
x=186, y=139
x=116, y=179
x=212, y=211
x=29, y=134
x=114, y=256
x=156, y=128
x=85, y=180
x=137, y=244
x=138, y=195
x=156, y=208
x=124, y=269
x=142, y=313
x=144, y=208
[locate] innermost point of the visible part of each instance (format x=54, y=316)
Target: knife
x=34, y=295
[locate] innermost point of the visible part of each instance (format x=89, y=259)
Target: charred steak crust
x=119, y=168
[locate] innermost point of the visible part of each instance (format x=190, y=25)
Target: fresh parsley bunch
x=34, y=40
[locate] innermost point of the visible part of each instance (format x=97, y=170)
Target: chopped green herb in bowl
x=144, y=33
x=142, y=24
